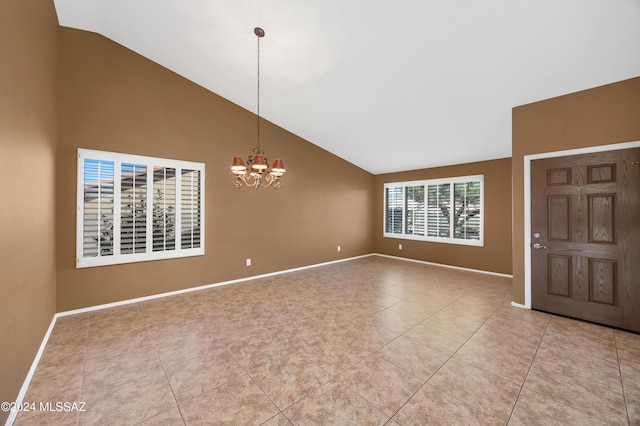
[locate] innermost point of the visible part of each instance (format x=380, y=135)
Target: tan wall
x=28, y=137
x=494, y=256
x=115, y=100
x=600, y=116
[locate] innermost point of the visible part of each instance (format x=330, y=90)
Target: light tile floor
x=368, y=341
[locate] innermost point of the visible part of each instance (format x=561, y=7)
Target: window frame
x=149, y=254
x=426, y=183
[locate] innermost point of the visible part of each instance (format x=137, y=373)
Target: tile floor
x=369, y=341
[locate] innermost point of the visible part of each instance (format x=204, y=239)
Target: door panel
x=601, y=219
x=560, y=275
x=586, y=263
x=559, y=224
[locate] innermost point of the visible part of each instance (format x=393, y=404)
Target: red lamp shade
x=259, y=163
x=278, y=167
x=238, y=166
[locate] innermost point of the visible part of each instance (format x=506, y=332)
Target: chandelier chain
x=258, y=97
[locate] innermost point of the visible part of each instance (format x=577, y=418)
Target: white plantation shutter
x=439, y=202
x=393, y=210
x=164, y=208
x=467, y=208
x=98, y=186
x=443, y=210
x=190, y=209
x=414, y=210
x=133, y=208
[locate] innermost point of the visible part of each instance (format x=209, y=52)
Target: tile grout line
x=624, y=394
x=206, y=326
x=567, y=403
x=456, y=351
x=449, y=356
x=243, y=369
x=164, y=371
x=84, y=363
x=529, y=370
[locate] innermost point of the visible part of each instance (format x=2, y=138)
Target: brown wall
x=28, y=137
x=494, y=256
x=115, y=100
x=599, y=116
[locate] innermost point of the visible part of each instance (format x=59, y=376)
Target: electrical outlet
x=248, y=262
x=399, y=246
x=338, y=248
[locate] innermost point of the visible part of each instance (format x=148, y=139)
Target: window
x=444, y=210
x=133, y=208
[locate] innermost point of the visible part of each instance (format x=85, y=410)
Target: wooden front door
x=585, y=242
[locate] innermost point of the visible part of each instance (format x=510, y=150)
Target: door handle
x=539, y=246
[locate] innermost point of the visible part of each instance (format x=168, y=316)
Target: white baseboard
x=480, y=271
x=518, y=305
x=32, y=370
x=202, y=287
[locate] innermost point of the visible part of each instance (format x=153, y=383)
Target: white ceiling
x=386, y=85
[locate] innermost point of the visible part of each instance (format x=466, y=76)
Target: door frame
x=527, y=202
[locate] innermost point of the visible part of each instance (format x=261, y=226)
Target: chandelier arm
x=244, y=178
x=266, y=181
x=272, y=180
x=257, y=180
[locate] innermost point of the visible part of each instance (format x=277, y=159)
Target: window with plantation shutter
x=134, y=208
x=444, y=210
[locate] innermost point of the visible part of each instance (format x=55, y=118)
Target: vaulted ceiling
x=386, y=85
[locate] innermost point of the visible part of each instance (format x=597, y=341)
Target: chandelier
x=255, y=172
